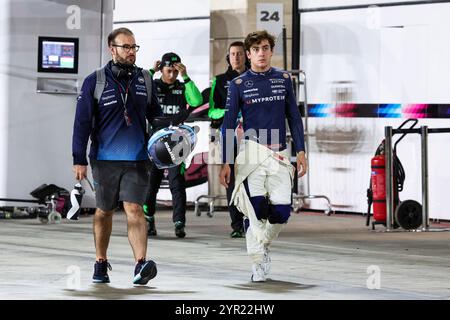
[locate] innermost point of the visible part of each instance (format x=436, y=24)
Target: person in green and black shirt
x=175, y=98
x=237, y=63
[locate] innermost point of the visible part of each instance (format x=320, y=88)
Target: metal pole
x=306, y=129
x=308, y=181
x=389, y=175
x=284, y=48
x=425, y=208
x=295, y=35
x=305, y=104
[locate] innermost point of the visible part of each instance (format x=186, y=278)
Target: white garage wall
x=308, y=4
x=186, y=33
x=400, y=57
x=228, y=5
x=4, y=89
x=189, y=39
x=172, y=26
x=126, y=10
x=36, y=128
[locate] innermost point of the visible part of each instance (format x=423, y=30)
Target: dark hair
x=112, y=36
x=257, y=37
x=236, y=44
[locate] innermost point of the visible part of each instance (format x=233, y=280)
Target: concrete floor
x=315, y=257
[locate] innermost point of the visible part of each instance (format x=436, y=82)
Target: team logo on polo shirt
x=285, y=75
x=141, y=80
x=238, y=81
x=248, y=83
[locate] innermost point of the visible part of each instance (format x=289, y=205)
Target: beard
x=126, y=61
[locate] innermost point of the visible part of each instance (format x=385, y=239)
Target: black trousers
x=237, y=218
x=177, y=188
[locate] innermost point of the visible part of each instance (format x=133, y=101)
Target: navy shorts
x=116, y=181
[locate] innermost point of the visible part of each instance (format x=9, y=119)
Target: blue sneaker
x=101, y=271
x=144, y=271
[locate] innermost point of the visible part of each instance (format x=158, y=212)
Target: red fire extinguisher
x=378, y=184
x=376, y=194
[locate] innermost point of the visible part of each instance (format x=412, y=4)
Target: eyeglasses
x=127, y=47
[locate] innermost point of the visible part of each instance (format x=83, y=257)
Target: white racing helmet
x=169, y=147
x=76, y=197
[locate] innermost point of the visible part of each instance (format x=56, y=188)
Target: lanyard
x=126, y=116
x=124, y=99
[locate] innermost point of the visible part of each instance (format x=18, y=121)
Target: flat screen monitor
x=58, y=55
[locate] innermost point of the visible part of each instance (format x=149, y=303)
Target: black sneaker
x=101, y=271
x=151, y=226
x=179, y=229
x=144, y=271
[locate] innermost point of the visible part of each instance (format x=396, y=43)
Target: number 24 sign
x=267, y=16
x=270, y=17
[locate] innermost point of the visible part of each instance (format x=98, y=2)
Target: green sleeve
x=191, y=93
x=214, y=113
x=152, y=71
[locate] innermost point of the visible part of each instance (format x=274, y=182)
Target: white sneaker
x=258, y=273
x=266, y=261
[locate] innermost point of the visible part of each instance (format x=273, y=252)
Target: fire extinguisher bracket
x=409, y=214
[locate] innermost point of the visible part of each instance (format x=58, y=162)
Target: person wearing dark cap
x=176, y=99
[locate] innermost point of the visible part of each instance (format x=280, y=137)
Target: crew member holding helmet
x=177, y=100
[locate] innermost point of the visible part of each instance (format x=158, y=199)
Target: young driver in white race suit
x=264, y=174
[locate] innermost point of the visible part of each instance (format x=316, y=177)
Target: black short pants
x=116, y=181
